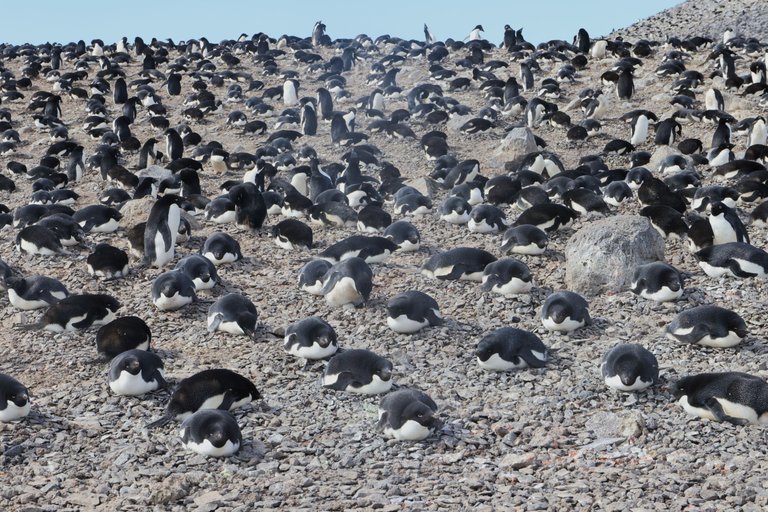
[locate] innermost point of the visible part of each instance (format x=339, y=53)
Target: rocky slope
x=555, y=438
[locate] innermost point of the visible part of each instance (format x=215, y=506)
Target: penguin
x=311, y=276
x=474, y=34
x=38, y=240
x=629, y=367
x=455, y=210
x=565, y=312
x=98, y=218
x=311, y=338
x=639, y=129
x=550, y=217
x=667, y=131
x=405, y=235
x=525, y=239
x=292, y=234
x=211, y=433
x=14, y=399
x=217, y=388
x=34, y=292
x=667, y=221
x=221, y=248
x=220, y=210
x=332, y=214
x=173, y=84
x=372, y=249
x=713, y=99
x=657, y=281
x=234, y=314
x=172, y=290
x=510, y=348
x=77, y=312
x=616, y=193
x=136, y=372
x=200, y=269
x=250, y=208
x=373, y=219
x=161, y=231
x=733, y=259
x=507, y=276
x=408, y=415
x=738, y=398
x=358, y=371
x=107, y=262
x=486, y=218
x=122, y=334
x=461, y=263
x=174, y=146
x=726, y=225
x=710, y=326
x=625, y=86
x=290, y=92
x=411, y=311
x=348, y=282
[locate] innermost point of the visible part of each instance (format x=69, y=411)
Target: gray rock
x=457, y=122
x=611, y=425
x=603, y=255
x=518, y=143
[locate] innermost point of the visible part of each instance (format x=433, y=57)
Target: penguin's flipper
x=433, y=318
x=161, y=382
x=383, y=420
x=213, y=326
x=163, y=421
x=717, y=410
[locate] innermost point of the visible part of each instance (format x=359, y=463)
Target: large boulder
x=518, y=143
x=602, y=255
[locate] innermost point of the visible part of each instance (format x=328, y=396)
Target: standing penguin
x=174, y=146
x=625, y=86
x=726, y=225
x=161, y=231
x=308, y=119
x=291, y=92
x=582, y=41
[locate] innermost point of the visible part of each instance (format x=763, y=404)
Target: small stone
x=517, y=461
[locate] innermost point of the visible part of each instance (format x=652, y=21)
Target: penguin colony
x=306, y=176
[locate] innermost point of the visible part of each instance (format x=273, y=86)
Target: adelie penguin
x=486, y=218
x=38, y=241
x=98, y=218
x=77, y=312
x=172, y=290
x=411, y=311
x=733, y=259
x=358, y=371
x=161, y=231
x=462, y=263
x=122, y=334
x=136, y=372
x=234, y=314
x=221, y=248
x=371, y=249
x=657, y=281
x=525, y=239
x=348, y=282
x=726, y=225
x=212, y=433
x=34, y=292
x=292, y=234
x=14, y=399
x=200, y=269
x=311, y=276
x=734, y=397
x=209, y=389
x=565, y=312
x=510, y=348
x=710, y=326
x=405, y=235
x=311, y=338
x=455, y=210
x=408, y=415
x=629, y=367
x=107, y=262
x=507, y=276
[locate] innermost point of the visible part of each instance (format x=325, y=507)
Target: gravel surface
x=552, y=438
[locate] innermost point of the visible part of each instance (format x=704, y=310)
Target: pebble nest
x=551, y=438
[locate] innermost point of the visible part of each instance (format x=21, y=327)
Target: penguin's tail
x=163, y=421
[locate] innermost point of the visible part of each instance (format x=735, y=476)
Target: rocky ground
x=555, y=438
x=708, y=18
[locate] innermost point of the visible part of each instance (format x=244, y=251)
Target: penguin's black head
x=170, y=288
x=421, y=413
x=132, y=365
x=17, y=394
x=217, y=436
x=558, y=312
x=718, y=208
x=384, y=372
x=485, y=349
x=480, y=28
x=111, y=303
